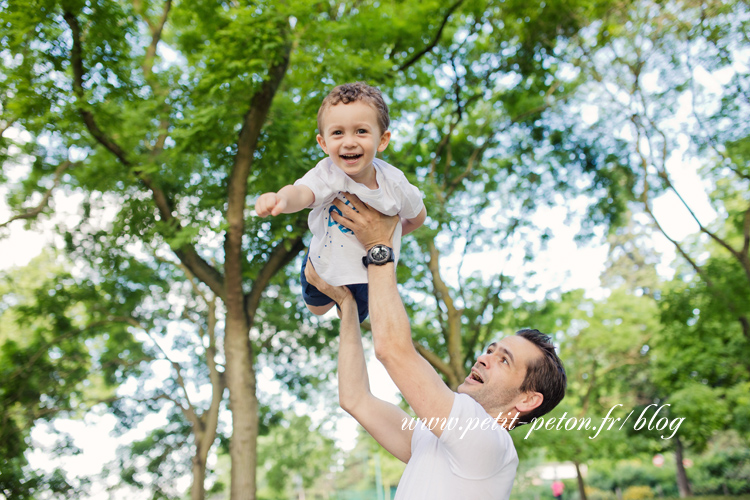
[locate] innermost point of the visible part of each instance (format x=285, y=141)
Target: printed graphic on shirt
x=331, y=222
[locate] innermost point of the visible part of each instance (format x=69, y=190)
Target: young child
x=353, y=126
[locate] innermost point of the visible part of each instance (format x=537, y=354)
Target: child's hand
x=270, y=204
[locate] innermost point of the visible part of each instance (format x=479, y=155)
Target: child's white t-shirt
x=334, y=250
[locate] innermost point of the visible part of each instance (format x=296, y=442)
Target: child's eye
x=505, y=360
x=361, y=131
x=336, y=132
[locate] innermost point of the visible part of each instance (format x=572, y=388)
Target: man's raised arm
x=382, y=420
x=417, y=380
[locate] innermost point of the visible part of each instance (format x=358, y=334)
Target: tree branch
x=237, y=187
x=156, y=31
x=33, y=212
x=746, y=237
x=187, y=254
x=453, y=333
x=210, y=419
x=435, y=39
x=277, y=260
x=147, y=67
x=8, y=123
x=477, y=153
x=491, y=297
x=433, y=164
x=437, y=363
x=76, y=56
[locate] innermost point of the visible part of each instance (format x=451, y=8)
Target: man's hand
x=370, y=226
x=339, y=294
x=270, y=204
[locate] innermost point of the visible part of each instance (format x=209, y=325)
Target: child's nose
x=350, y=140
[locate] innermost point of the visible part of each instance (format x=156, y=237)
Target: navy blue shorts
x=314, y=297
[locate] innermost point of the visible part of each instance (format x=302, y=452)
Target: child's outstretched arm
x=288, y=200
x=409, y=225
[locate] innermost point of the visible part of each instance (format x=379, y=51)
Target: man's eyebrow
x=508, y=353
x=501, y=348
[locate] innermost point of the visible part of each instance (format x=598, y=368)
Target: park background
x=585, y=171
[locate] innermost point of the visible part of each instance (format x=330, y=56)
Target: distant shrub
x=637, y=493
x=597, y=494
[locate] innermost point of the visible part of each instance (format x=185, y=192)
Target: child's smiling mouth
x=351, y=158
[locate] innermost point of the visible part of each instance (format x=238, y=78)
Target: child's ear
x=384, y=140
x=322, y=143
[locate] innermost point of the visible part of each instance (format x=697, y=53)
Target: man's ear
x=322, y=143
x=529, y=401
x=384, y=140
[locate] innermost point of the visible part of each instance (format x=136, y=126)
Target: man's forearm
x=354, y=383
x=391, y=332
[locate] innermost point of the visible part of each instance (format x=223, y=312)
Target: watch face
x=379, y=253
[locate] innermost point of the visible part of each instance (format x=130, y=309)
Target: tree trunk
x=683, y=485
x=198, y=488
x=581, y=486
x=243, y=401
x=244, y=406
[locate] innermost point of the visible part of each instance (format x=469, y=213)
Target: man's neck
x=506, y=418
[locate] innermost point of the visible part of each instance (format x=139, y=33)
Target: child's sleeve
x=411, y=203
x=315, y=180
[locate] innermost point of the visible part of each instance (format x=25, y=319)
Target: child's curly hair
x=353, y=92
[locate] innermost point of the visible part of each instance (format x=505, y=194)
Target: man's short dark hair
x=545, y=374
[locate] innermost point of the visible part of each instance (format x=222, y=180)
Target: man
x=465, y=450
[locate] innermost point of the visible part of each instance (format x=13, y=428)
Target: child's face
x=351, y=137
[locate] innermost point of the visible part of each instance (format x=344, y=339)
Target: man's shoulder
x=466, y=401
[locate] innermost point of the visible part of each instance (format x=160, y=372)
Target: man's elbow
x=390, y=353
x=383, y=352
x=354, y=405
x=347, y=404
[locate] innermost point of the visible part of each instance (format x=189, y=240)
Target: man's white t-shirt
x=461, y=463
x=334, y=250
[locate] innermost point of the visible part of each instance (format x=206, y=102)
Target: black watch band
x=378, y=255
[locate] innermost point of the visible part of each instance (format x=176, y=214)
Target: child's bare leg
x=320, y=310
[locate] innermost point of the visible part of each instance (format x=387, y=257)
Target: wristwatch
x=378, y=255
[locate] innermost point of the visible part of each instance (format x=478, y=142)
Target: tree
x=605, y=346
x=488, y=155
x=651, y=85
x=174, y=113
x=296, y=455
x=66, y=345
x=193, y=419
x=668, y=93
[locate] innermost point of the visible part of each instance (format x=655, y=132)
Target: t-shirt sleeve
x=476, y=448
x=411, y=203
x=317, y=179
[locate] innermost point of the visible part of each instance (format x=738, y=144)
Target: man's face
x=351, y=136
x=496, y=377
